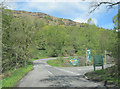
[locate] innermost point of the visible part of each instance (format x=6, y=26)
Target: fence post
x=86, y=56
x=105, y=57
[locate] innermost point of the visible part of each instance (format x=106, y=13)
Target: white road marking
x=49, y=72
x=67, y=71
x=85, y=69
x=34, y=66
x=86, y=77
x=47, y=65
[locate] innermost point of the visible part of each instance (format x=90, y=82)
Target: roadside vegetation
x=25, y=38
x=11, y=78
x=64, y=62
x=109, y=74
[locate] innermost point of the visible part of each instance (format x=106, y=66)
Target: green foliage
x=81, y=53
x=48, y=18
x=10, y=78
x=108, y=74
x=55, y=20
x=64, y=62
x=116, y=20
x=16, y=75
x=60, y=21
x=90, y=21
x=17, y=39
x=25, y=38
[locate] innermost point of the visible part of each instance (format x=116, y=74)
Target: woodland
x=23, y=36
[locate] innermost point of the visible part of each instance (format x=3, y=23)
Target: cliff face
x=47, y=18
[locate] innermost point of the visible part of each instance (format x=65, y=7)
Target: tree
x=115, y=49
x=95, y=5
x=90, y=21
x=116, y=20
x=16, y=40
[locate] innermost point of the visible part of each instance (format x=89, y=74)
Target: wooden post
x=25, y=63
x=94, y=67
x=105, y=57
x=102, y=67
x=86, y=56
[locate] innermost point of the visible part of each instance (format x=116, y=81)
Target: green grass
x=16, y=75
x=64, y=62
x=108, y=74
x=12, y=77
x=57, y=62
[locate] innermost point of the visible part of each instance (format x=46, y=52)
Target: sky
x=75, y=10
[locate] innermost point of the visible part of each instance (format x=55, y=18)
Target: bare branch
x=110, y=4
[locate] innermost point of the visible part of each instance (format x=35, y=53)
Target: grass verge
x=108, y=74
x=58, y=62
x=16, y=75
x=64, y=62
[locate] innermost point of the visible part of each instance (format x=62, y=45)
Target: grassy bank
x=108, y=74
x=64, y=62
x=12, y=77
x=15, y=76
x=59, y=62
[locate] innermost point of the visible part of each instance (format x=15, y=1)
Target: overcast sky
x=74, y=10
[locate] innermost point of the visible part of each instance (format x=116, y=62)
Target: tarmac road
x=44, y=75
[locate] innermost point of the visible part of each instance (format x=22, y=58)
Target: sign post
x=88, y=56
x=105, y=56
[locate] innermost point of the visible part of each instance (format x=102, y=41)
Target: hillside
x=48, y=19
x=36, y=35
x=27, y=36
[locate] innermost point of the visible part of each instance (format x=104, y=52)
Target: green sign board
x=97, y=61
x=74, y=61
x=88, y=55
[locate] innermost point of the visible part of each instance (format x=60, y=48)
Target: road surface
x=44, y=75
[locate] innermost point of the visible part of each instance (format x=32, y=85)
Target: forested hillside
x=49, y=20
x=25, y=33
